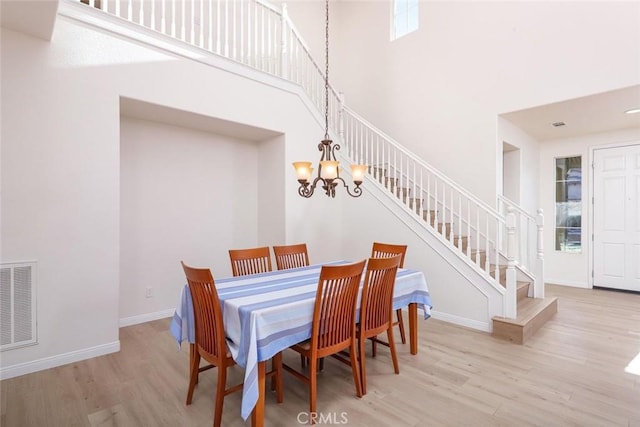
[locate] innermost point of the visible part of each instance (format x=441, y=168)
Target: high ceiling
x=602, y=112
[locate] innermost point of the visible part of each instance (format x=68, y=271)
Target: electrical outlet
x=149, y=292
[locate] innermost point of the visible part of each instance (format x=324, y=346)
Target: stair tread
x=528, y=308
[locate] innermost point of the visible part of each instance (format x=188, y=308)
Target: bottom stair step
x=533, y=313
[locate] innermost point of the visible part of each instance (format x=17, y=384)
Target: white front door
x=616, y=217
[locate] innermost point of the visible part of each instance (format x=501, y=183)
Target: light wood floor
x=571, y=373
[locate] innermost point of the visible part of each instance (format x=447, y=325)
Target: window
x=569, y=204
x=405, y=18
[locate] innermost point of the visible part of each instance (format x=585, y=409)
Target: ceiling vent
x=558, y=124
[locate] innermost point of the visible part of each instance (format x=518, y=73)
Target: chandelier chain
x=326, y=74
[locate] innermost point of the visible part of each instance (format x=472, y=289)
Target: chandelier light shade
x=328, y=172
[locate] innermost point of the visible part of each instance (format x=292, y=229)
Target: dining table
x=264, y=314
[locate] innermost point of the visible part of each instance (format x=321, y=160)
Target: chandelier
x=328, y=169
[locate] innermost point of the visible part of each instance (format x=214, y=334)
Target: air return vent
x=17, y=305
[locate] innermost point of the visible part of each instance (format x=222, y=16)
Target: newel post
x=512, y=245
x=284, y=63
x=538, y=287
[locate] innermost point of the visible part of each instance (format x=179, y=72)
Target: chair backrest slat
x=250, y=261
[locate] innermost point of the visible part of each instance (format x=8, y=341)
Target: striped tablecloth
x=267, y=313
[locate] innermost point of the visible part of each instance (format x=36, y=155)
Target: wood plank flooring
x=571, y=373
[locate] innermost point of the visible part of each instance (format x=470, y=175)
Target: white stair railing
x=261, y=36
x=468, y=224
x=529, y=238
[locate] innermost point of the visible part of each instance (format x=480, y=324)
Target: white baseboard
x=550, y=281
x=59, y=360
x=461, y=321
x=148, y=317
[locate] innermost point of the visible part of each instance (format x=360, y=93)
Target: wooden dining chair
x=291, y=256
x=211, y=344
x=250, y=261
x=376, y=309
x=333, y=327
x=386, y=250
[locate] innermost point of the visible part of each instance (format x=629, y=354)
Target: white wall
x=61, y=173
x=439, y=90
x=528, y=155
x=572, y=269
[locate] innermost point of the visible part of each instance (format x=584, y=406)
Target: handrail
x=516, y=206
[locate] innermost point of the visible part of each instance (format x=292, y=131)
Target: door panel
x=616, y=217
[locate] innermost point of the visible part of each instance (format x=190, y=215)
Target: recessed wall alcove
x=191, y=187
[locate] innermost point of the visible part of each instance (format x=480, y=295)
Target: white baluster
x=451, y=217
x=118, y=9
x=192, y=32
x=487, y=250
x=130, y=10
x=511, y=294
x=141, y=13
x=429, y=209
x=235, y=31
x=435, y=202
x=478, y=261
x=538, y=288
x=201, y=24
x=421, y=210
x=173, y=18
x=226, y=28
x=460, y=246
x=469, y=229
x=163, y=18
x=210, y=27
x=183, y=32
x=153, y=15
x=496, y=249
x=443, y=232
x=218, y=26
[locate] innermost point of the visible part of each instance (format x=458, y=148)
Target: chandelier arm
x=334, y=148
x=357, y=191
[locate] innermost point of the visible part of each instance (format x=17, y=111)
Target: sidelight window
x=569, y=204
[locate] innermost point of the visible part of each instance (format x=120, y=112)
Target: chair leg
x=277, y=367
x=355, y=367
x=193, y=375
x=401, y=325
x=312, y=390
x=192, y=352
x=363, y=369
x=303, y=361
x=392, y=347
x=220, y=389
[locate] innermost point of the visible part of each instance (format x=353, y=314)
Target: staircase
x=531, y=313
x=503, y=246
